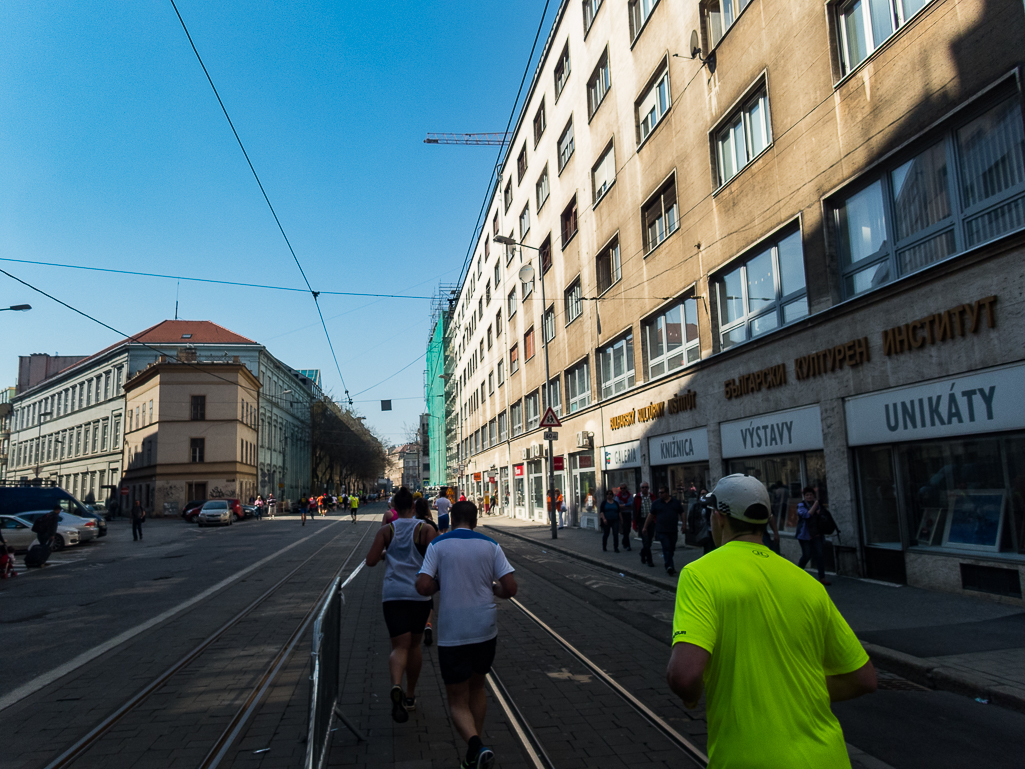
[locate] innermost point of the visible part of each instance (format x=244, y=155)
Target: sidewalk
x=944, y=641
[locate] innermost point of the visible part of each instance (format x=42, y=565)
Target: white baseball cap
x=742, y=497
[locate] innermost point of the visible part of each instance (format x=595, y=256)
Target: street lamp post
x=39, y=439
x=17, y=307
x=526, y=275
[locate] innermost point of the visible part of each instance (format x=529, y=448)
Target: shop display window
x=963, y=494
x=785, y=476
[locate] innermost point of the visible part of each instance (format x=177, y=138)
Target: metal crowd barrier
x=325, y=663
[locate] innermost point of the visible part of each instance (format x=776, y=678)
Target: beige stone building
x=190, y=434
x=795, y=250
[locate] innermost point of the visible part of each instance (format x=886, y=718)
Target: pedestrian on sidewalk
x=625, y=501
x=259, y=507
x=765, y=643
x=642, y=509
x=405, y=609
x=808, y=535
x=138, y=515
x=304, y=505
x=474, y=571
x=353, y=506
x=665, y=518
x=608, y=515
x=560, y=507
x=272, y=505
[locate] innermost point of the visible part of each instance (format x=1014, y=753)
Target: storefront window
x=877, y=490
x=537, y=490
x=583, y=483
x=785, y=476
x=503, y=489
x=680, y=478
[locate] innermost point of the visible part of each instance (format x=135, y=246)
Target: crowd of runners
x=753, y=634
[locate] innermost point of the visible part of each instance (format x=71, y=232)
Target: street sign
x=559, y=463
x=550, y=435
x=124, y=492
x=549, y=419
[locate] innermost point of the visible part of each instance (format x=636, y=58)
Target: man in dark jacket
x=138, y=516
x=643, y=501
x=46, y=527
x=665, y=517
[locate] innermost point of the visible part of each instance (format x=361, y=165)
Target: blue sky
x=114, y=153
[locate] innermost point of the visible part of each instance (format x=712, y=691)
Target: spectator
x=642, y=509
x=608, y=514
x=665, y=518
x=811, y=540
x=624, y=499
x=765, y=644
x=138, y=515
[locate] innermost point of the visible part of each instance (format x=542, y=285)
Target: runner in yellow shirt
x=353, y=505
x=764, y=641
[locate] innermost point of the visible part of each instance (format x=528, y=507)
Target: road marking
x=86, y=657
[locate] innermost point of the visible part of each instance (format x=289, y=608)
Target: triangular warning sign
x=550, y=420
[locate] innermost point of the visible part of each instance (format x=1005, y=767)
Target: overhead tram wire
x=314, y=294
x=498, y=159
x=210, y=280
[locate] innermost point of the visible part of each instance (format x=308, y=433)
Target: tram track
x=222, y=744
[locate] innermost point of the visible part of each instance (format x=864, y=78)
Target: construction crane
x=495, y=139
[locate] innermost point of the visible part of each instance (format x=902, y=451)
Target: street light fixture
x=17, y=307
x=526, y=275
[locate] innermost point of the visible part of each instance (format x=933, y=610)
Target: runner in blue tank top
x=401, y=544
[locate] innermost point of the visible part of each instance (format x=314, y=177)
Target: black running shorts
x=459, y=662
x=406, y=616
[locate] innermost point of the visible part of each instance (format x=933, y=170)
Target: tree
x=345, y=452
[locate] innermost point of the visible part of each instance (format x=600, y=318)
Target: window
x=653, y=105
x=603, y=175
x=492, y=432
x=671, y=339
x=490, y=337
x=562, y=72
x=516, y=411
x=598, y=84
x=746, y=134
x=965, y=189
x=498, y=322
x=864, y=25
x=198, y=408
x=566, y=145
x=720, y=15
x=608, y=267
x=578, y=386
x=526, y=289
x=542, y=188
x=548, y=324
x=103, y=439
x=491, y=383
x=494, y=224
x=507, y=198
x=556, y=396
x=545, y=254
x=661, y=215
x=569, y=222
x=521, y=164
x=640, y=10
x=511, y=301
x=616, y=367
x=573, y=302
x=590, y=11
x=528, y=344
x=510, y=251
x=514, y=359
x=487, y=293
x=487, y=247
x=501, y=372
x=503, y=427
x=524, y=221
x=539, y=123
x=197, y=448
x=498, y=274
x=765, y=292
x=531, y=406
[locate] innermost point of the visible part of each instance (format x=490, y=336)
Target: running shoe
x=409, y=704
x=485, y=758
x=428, y=635
x=398, y=712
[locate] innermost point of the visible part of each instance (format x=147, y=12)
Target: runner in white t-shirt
x=442, y=505
x=473, y=571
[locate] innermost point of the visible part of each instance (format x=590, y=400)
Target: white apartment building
x=69, y=428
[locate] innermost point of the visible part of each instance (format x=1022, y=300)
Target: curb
x=916, y=669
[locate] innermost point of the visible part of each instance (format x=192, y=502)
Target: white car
x=88, y=529
x=17, y=532
x=216, y=512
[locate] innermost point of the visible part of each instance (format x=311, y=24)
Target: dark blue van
x=24, y=499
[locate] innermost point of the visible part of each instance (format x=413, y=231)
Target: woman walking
x=405, y=611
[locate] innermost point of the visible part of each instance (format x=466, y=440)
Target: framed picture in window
x=975, y=519
x=929, y=531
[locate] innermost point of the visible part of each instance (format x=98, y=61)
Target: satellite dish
x=695, y=44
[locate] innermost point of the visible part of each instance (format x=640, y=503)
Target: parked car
x=215, y=512
x=88, y=529
x=236, y=508
x=248, y=511
x=96, y=515
x=18, y=533
x=191, y=510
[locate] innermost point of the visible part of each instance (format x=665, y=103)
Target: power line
x=266, y=198
x=424, y=354
x=209, y=280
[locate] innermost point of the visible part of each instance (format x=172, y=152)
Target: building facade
x=403, y=466
x=67, y=424
x=436, y=455
x=6, y=411
x=190, y=434
x=796, y=254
